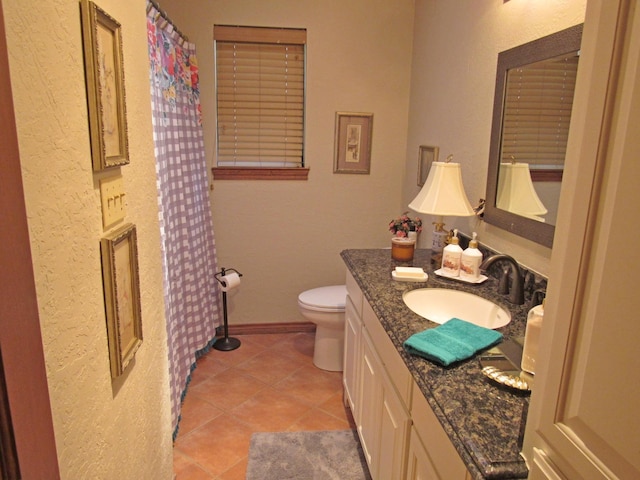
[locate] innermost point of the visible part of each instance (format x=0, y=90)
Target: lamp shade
x=443, y=192
x=516, y=193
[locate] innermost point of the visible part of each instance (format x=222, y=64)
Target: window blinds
x=537, y=112
x=260, y=96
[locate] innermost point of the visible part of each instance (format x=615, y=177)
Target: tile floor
x=269, y=384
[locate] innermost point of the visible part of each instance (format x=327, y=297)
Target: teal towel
x=451, y=342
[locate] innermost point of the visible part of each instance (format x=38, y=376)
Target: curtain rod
x=163, y=14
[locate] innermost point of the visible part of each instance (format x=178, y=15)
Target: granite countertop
x=484, y=421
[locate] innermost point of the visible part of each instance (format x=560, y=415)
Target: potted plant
x=405, y=232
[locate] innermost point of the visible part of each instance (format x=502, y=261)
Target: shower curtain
x=191, y=293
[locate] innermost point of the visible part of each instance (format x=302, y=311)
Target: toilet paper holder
x=226, y=343
x=223, y=272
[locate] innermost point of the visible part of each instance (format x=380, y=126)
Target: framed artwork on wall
x=122, y=296
x=353, y=142
x=104, y=72
x=426, y=156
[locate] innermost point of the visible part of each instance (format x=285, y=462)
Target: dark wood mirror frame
x=553, y=45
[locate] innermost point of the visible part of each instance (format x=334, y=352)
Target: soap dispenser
x=451, y=256
x=470, y=261
x=532, y=336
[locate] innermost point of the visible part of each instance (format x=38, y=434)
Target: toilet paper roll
x=231, y=281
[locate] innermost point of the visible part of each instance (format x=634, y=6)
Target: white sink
x=441, y=304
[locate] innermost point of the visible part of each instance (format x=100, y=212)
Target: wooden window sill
x=251, y=173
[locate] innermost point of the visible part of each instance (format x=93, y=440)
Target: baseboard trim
x=261, y=328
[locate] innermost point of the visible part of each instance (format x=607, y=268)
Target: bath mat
x=327, y=455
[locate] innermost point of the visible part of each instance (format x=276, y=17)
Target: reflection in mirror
x=516, y=192
x=532, y=112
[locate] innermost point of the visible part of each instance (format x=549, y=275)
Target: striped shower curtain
x=191, y=293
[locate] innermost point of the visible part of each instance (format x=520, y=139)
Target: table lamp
x=442, y=195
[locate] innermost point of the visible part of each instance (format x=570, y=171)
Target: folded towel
x=451, y=342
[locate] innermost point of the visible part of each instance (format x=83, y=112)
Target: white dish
x=400, y=278
x=481, y=279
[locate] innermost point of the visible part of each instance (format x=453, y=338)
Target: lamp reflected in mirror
x=516, y=193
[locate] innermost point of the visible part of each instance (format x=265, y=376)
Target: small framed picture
x=426, y=156
x=122, y=296
x=353, y=142
x=104, y=72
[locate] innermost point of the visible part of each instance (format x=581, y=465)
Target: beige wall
x=286, y=237
x=455, y=54
x=102, y=429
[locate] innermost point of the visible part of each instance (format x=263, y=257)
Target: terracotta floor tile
x=268, y=384
x=206, y=367
x=216, y=446
x=237, y=472
x=246, y=350
x=319, y=420
x=335, y=406
x=299, y=346
x=311, y=385
x=180, y=461
x=193, y=472
x=270, y=366
x=195, y=412
x=270, y=411
x=229, y=389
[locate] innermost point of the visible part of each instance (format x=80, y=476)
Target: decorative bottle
x=470, y=261
x=532, y=338
x=451, y=256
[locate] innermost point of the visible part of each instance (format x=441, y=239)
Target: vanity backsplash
x=532, y=280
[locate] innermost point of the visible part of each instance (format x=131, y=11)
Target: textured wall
x=103, y=429
x=455, y=55
x=286, y=237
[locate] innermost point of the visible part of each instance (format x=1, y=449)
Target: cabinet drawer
x=389, y=356
x=354, y=292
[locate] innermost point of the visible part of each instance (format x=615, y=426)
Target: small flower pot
x=402, y=249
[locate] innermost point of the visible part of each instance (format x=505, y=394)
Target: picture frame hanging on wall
x=353, y=142
x=104, y=74
x=122, y=296
x=426, y=156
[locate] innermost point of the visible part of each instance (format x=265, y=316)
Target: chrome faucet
x=516, y=293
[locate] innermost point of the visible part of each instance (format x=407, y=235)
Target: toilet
x=324, y=306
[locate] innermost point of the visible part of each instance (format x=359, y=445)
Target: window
x=537, y=114
x=260, y=80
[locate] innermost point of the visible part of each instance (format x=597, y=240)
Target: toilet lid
x=331, y=298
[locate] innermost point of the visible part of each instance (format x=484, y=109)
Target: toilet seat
x=324, y=299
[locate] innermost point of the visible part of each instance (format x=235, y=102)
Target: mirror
x=531, y=115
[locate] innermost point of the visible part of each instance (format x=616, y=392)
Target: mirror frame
x=553, y=45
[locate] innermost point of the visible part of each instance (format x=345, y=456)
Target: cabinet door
x=419, y=466
x=583, y=418
x=350, y=374
x=370, y=403
x=394, y=429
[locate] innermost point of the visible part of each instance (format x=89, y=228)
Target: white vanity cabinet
x=400, y=435
x=378, y=403
x=431, y=454
x=352, y=341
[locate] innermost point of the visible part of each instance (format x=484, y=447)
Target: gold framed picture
x=122, y=296
x=353, y=142
x=104, y=72
x=426, y=156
